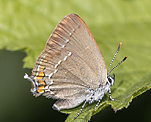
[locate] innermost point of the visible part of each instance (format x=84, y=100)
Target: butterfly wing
x=70, y=64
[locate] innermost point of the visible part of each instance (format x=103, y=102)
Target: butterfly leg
x=80, y=110
x=110, y=95
x=97, y=104
x=100, y=99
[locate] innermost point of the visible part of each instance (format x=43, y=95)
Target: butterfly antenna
x=118, y=64
x=114, y=58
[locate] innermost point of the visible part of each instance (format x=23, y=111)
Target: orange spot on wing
x=43, y=67
x=39, y=77
x=40, y=89
x=42, y=82
x=41, y=74
x=46, y=61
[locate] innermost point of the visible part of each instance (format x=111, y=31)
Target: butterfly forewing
x=71, y=63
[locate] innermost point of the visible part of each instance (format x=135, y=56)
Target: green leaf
x=26, y=26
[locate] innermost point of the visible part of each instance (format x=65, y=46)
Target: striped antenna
x=114, y=58
x=118, y=64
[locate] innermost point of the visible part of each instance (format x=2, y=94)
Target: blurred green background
x=26, y=25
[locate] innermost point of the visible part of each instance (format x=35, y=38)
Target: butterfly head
x=111, y=80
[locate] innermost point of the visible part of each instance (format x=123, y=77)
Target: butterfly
x=71, y=68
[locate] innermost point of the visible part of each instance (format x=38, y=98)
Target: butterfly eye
x=111, y=80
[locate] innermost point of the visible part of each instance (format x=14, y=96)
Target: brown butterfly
x=71, y=68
